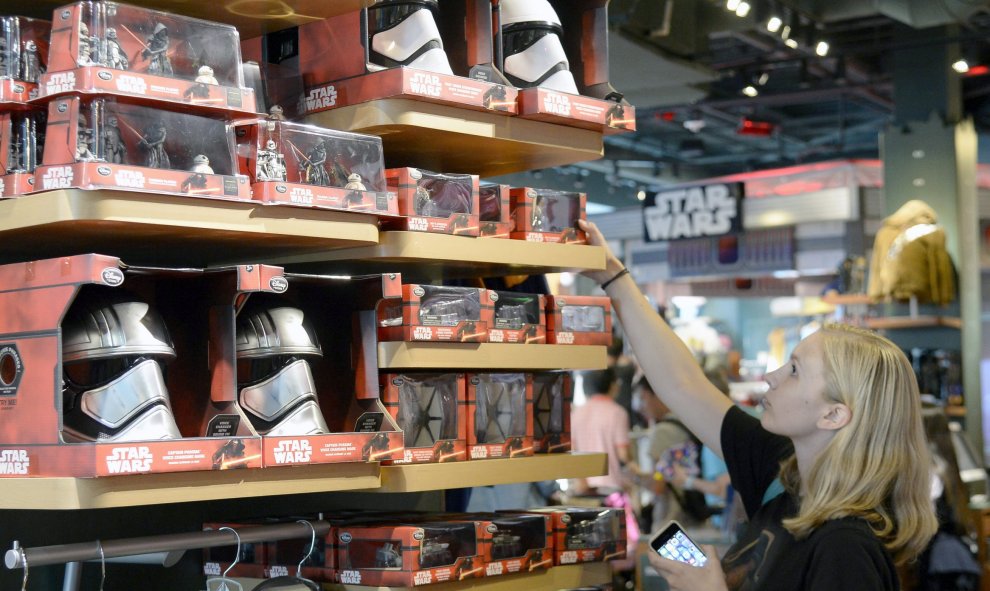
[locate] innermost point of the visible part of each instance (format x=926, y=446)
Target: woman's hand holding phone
x=685, y=565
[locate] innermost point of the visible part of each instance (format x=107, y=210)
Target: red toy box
x=434, y=202
x=494, y=213
x=517, y=318
x=582, y=534
x=25, y=58
x=544, y=215
x=553, y=392
x=516, y=543
x=435, y=313
x=20, y=143
x=431, y=411
x=609, y=117
x=499, y=421
x=147, y=56
x=579, y=320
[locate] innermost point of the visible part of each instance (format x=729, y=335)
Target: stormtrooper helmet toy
x=274, y=380
x=534, y=54
x=405, y=33
x=112, y=385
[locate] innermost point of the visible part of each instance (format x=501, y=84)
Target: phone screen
x=672, y=543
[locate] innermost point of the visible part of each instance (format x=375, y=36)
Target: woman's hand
x=684, y=577
x=612, y=264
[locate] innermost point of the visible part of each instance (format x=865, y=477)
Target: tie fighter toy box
x=431, y=411
x=435, y=313
x=499, y=421
x=22, y=136
x=517, y=318
x=494, y=213
x=23, y=59
x=583, y=534
x=410, y=554
x=436, y=202
x=545, y=215
x=100, y=143
x=147, y=56
x=310, y=166
x=516, y=542
x=579, y=320
x=553, y=392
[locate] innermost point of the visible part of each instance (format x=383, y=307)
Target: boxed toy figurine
x=435, y=313
x=23, y=59
x=430, y=410
x=553, y=392
x=516, y=542
x=579, y=320
x=139, y=53
x=499, y=421
x=410, y=554
x=494, y=213
x=545, y=215
x=100, y=143
x=313, y=167
x=22, y=135
x=435, y=202
x=583, y=534
x=517, y=318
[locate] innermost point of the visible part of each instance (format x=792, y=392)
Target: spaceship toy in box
x=499, y=421
x=146, y=56
x=435, y=313
x=545, y=215
x=436, y=202
x=430, y=410
x=517, y=317
x=579, y=320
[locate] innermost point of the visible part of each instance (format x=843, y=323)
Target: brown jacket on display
x=910, y=259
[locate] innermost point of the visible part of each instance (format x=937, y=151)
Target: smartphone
x=672, y=543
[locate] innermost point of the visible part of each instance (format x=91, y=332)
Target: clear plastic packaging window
x=501, y=407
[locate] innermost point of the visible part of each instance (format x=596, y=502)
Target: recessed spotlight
x=763, y=79
x=641, y=195
x=743, y=9
x=750, y=91
x=785, y=33
x=732, y=5
x=774, y=24
x=793, y=44
x=821, y=49
x=960, y=66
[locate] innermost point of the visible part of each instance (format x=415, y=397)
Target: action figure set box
x=146, y=55
x=546, y=215
x=582, y=534
x=22, y=137
x=309, y=166
x=100, y=143
x=23, y=59
x=494, y=213
x=517, y=318
x=435, y=202
x=579, y=320
x=436, y=313
x=553, y=392
x=431, y=411
x=499, y=417
x=516, y=543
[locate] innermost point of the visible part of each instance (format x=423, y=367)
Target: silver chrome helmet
x=275, y=383
x=112, y=385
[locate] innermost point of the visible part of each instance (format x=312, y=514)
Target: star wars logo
x=323, y=97
x=128, y=460
x=131, y=84
x=565, y=338
x=293, y=451
x=15, y=461
x=278, y=571
x=58, y=177
x=557, y=104
x=423, y=578
x=211, y=569
x=350, y=577
x=426, y=84
x=493, y=569
x=60, y=82
x=129, y=178
x=302, y=196
x=418, y=224
x=422, y=333
x=692, y=212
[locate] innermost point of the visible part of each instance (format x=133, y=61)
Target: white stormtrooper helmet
x=534, y=54
x=404, y=33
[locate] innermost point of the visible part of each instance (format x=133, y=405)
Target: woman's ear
x=837, y=417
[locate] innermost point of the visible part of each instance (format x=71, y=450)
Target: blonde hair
x=878, y=466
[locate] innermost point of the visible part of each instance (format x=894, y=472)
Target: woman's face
x=795, y=400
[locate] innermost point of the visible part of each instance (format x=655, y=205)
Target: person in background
x=835, y=475
x=602, y=425
x=667, y=434
x=625, y=371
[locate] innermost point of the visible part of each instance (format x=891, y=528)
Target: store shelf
x=906, y=322
x=183, y=487
x=846, y=299
x=445, y=138
x=423, y=254
x=426, y=477
x=488, y=356
x=148, y=228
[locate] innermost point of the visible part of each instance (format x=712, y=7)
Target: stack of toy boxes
x=141, y=100
x=23, y=59
x=435, y=202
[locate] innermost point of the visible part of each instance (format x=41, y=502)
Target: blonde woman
x=835, y=476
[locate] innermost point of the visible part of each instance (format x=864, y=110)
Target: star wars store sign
x=693, y=212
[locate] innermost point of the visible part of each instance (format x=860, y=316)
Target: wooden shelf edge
x=400, y=355
x=906, y=322
x=845, y=299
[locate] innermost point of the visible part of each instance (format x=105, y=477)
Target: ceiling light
x=785, y=33
x=743, y=9
x=732, y=5
x=793, y=44
x=641, y=195
x=821, y=49
x=750, y=91
x=960, y=66
x=694, y=125
x=774, y=24
x=763, y=79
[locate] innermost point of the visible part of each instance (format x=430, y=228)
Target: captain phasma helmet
x=274, y=381
x=404, y=33
x=113, y=389
x=534, y=54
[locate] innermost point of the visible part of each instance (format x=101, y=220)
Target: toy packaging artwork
x=405, y=33
x=435, y=313
x=552, y=396
x=23, y=59
x=313, y=167
x=112, y=48
x=22, y=137
x=430, y=410
x=517, y=318
x=499, y=421
x=435, y=202
x=584, y=534
x=516, y=542
x=494, y=213
x=105, y=144
x=544, y=215
x=579, y=320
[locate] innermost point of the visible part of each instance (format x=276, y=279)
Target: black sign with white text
x=693, y=212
